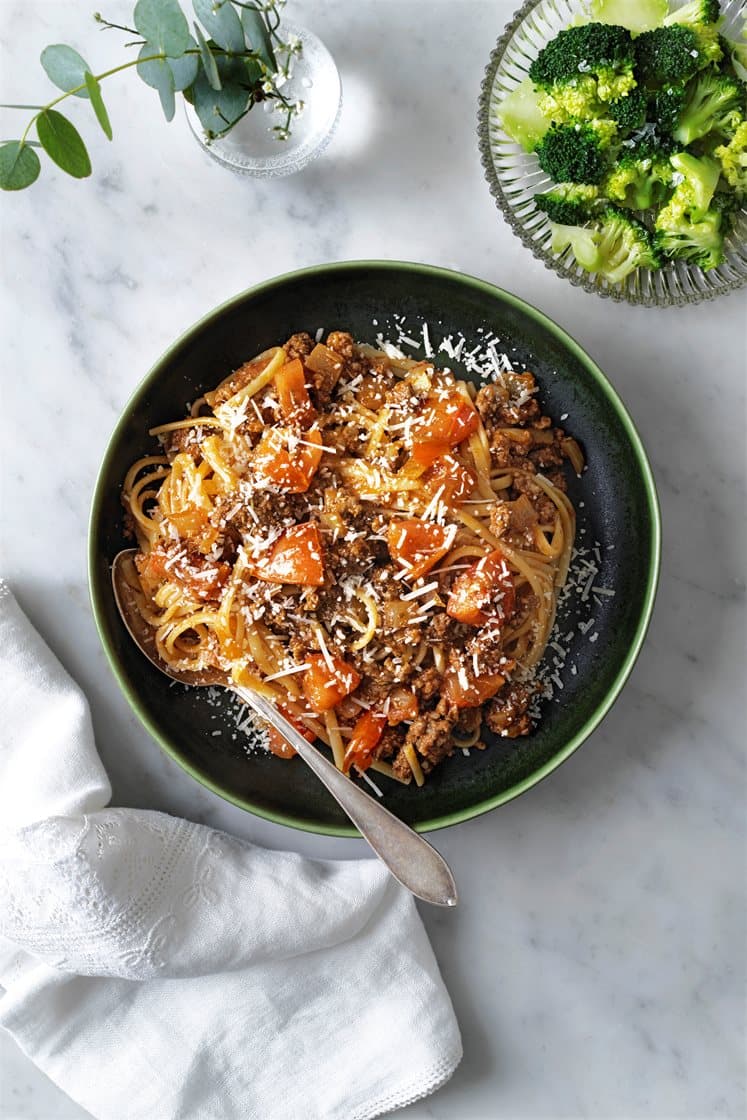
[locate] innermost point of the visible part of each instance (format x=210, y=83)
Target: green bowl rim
x=447, y=819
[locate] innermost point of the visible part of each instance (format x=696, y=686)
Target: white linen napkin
x=158, y=969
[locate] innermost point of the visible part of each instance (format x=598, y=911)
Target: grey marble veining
x=597, y=959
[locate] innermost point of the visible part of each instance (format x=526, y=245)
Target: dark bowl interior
x=619, y=510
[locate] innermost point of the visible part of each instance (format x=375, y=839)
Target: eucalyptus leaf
x=19, y=166
x=97, y=101
x=218, y=109
x=258, y=36
x=185, y=68
x=163, y=24
x=62, y=143
x=208, y=62
x=157, y=73
x=221, y=21
x=65, y=68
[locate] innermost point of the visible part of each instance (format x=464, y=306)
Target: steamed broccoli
x=714, y=102
x=568, y=204
x=614, y=247
x=628, y=112
x=582, y=241
x=576, y=99
x=699, y=241
x=695, y=13
x=521, y=117
x=733, y=159
x=695, y=181
x=624, y=245
x=641, y=177
x=726, y=204
x=600, y=52
x=701, y=17
x=665, y=106
x=576, y=153
x=636, y=15
x=669, y=55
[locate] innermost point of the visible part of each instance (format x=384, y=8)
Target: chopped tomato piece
x=466, y=693
x=403, y=705
x=295, y=557
x=485, y=591
x=449, y=420
x=293, y=396
x=366, y=734
x=280, y=745
x=286, y=461
x=325, y=687
x=425, y=454
x=457, y=481
x=417, y=545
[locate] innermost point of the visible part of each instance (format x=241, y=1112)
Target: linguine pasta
x=372, y=543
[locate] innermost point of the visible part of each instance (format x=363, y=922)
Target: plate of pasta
x=399, y=503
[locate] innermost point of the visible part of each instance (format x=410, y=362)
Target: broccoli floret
x=576, y=99
x=568, y=204
x=598, y=51
x=641, y=177
x=695, y=181
x=695, y=13
x=665, y=107
x=580, y=239
x=714, y=103
x=701, y=242
x=726, y=204
x=733, y=159
x=624, y=245
x=628, y=112
x=636, y=15
x=575, y=153
x=668, y=55
x=521, y=117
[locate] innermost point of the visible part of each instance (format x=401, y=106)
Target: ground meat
x=509, y=449
x=182, y=439
x=238, y=379
x=500, y=518
x=506, y=714
x=487, y=647
x=430, y=734
x=428, y=684
x=548, y=454
x=390, y=742
x=525, y=484
x=498, y=407
x=299, y=346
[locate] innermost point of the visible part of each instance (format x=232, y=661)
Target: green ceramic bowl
x=619, y=511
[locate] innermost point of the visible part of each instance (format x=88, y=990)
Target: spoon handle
x=410, y=858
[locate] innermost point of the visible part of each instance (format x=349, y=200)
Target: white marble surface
x=597, y=959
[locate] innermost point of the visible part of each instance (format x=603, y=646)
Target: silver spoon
x=410, y=858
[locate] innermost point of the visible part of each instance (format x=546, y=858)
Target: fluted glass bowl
x=515, y=177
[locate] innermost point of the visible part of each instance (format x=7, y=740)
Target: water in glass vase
x=251, y=147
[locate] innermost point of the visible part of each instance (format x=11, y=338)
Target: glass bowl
x=250, y=148
x=515, y=176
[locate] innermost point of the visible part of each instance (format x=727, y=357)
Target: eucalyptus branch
x=237, y=59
